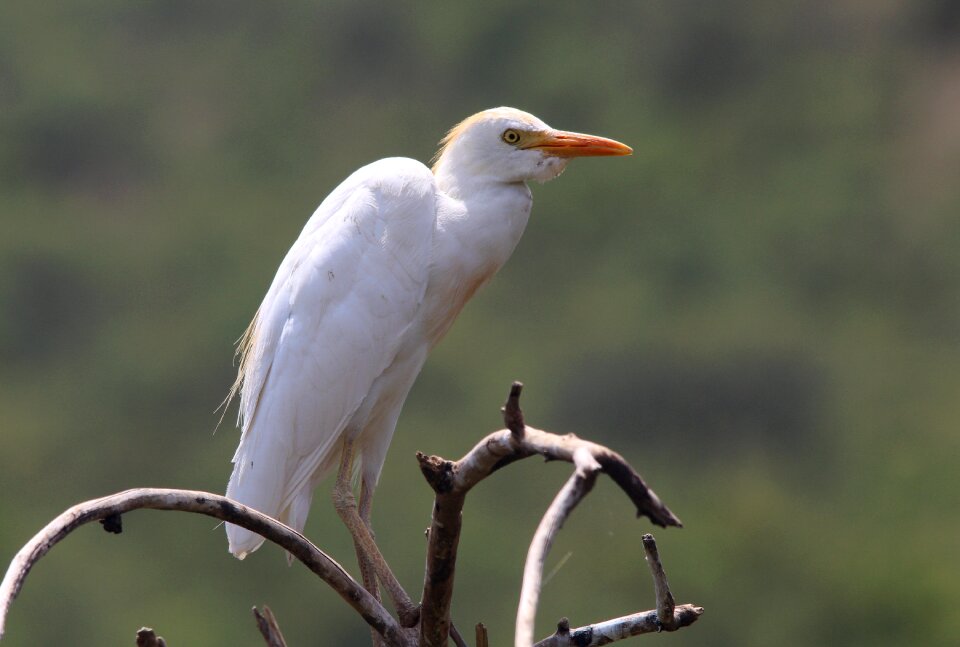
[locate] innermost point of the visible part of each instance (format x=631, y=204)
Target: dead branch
x=507, y=446
x=269, y=629
x=512, y=413
x=456, y=637
x=666, y=617
x=577, y=487
x=452, y=480
x=608, y=631
x=213, y=505
x=443, y=539
x=665, y=603
x=482, y=640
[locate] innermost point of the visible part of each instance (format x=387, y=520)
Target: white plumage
x=375, y=279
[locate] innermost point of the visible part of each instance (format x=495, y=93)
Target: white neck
x=479, y=223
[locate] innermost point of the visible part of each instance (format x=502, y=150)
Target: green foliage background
x=760, y=308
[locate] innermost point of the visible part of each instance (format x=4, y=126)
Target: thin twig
x=482, y=639
x=211, y=505
x=269, y=629
x=577, y=487
x=665, y=602
x=556, y=569
x=666, y=617
x=457, y=638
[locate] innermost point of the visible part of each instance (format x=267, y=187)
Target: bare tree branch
x=269, y=629
x=608, y=631
x=452, y=480
x=456, y=637
x=482, y=640
x=213, y=505
x=501, y=448
x=442, y=542
x=666, y=617
x=577, y=487
x=665, y=603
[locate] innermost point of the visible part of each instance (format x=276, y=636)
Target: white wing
x=330, y=324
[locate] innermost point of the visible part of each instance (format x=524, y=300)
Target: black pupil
x=512, y=136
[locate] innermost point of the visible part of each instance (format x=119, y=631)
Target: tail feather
x=261, y=481
x=243, y=542
x=258, y=482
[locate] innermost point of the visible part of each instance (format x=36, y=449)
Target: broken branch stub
x=269, y=629
x=512, y=413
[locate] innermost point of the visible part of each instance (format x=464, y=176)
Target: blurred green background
x=760, y=309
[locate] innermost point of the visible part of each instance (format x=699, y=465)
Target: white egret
x=374, y=281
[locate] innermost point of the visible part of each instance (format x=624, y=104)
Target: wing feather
x=330, y=324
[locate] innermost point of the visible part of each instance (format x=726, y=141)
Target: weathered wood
x=666, y=617
x=269, y=629
x=608, y=631
x=213, y=505
x=665, y=602
x=576, y=487
x=451, y=480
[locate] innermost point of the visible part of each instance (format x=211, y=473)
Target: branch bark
x=452, y=480
x=481, y=632
x=661, y=588
x=577, y=487
x=608, y=631
x=269, y=629
x=110, y=508
x=666, y=617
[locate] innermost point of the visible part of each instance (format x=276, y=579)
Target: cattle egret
x=374, y=281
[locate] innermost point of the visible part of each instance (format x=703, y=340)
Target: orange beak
x=566, y=144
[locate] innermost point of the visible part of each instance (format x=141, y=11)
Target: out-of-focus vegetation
x=760, y=308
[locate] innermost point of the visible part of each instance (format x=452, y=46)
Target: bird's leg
x=366, y=567
x=366, y=547
x=340, y=500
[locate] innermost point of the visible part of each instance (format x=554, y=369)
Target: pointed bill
x=566, y=144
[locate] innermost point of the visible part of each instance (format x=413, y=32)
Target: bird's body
x=374, y=281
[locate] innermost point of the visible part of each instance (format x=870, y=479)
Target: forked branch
x=577, y=487
x=451, y=480
x=666, y=617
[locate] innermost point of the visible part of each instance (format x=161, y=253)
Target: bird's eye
x=511, y=136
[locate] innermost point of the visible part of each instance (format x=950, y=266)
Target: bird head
x=509, y=145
